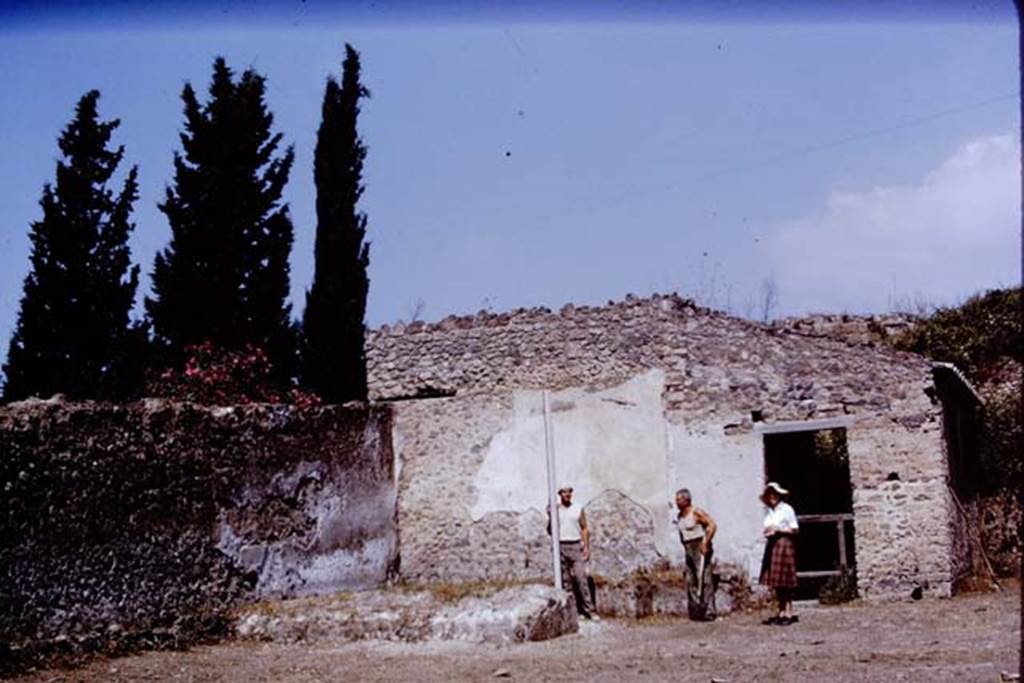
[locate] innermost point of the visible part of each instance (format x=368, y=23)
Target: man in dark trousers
x=696, y=529
x=574, y=547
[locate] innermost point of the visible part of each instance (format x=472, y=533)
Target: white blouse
x=782, y=517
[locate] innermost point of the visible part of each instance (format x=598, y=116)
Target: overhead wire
x=786, y=156
x=910, y=123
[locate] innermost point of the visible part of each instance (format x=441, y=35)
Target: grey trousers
x=574, y=574
x=699, y=604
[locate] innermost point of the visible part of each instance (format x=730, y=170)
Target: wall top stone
x=853, y=329
x=713, y=363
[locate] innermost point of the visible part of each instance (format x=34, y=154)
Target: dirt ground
x=968, y=638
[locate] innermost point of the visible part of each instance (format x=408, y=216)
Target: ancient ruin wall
x=473, y=491
x=867, y=330
x=719, y=376
x=716, y=366
x=146, y=522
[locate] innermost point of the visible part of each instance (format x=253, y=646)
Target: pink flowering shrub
x=212, y=375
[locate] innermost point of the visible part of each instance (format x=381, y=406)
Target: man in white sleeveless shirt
x=696, y=529
x=574, y=544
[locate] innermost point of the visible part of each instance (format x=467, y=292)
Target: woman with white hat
x=778, y=568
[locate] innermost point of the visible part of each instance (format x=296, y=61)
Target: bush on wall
x=212, y=375
x=984, y=337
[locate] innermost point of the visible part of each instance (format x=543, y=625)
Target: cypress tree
x=224, y=276
x=74, y=334
x=333, y=357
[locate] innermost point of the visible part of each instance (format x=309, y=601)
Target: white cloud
x=953, y=234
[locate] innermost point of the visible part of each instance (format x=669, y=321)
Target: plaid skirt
x=778, y=568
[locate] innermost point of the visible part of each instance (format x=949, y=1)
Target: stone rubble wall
x=866, y=330
x=440, y=444
x=718, y=368
x=144, y=523
x=718, y=378
x=905, y=521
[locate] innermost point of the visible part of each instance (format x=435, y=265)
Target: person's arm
x=792, y=525
x=585, y=534
x=704, y=519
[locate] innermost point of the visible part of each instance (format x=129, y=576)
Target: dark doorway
x=815, y=467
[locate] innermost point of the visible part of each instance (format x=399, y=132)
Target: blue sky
x=517, y=157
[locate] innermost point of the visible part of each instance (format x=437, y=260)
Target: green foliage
x=839, y=589
x=984, y=329
x=213, y=376
x=830, y=445
x=74, y=334
x=1002, y=451
x=224, y=276
x=983, y=337
x=333, y=357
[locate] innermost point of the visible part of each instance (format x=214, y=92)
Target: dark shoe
x=770, y=621
x=793, y=619
x=784, y=621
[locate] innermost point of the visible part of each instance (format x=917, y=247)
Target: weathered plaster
x=611, y=440
x=725, y=475
x=472, y=477
x=130, y=519
x=477, y=504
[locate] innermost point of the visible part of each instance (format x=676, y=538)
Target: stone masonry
x=715, y=364
x=143, y=524
x=866, y=330
x=700, y=384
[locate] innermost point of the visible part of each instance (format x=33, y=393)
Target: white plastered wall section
x=609, y=444
x=612, y=440
x=725, y=474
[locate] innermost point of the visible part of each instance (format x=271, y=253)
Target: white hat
x=564, y=488
x=772, y=486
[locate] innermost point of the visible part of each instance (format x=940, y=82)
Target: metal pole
x=549, y=451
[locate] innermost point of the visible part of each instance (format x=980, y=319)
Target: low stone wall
x=487, y=614
x=146, y=522
x=661, y=590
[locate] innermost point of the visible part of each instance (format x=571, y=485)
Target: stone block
x=513, y=614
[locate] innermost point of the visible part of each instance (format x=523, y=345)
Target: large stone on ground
x=511, y=615
x=517, y=614
x=661, y=591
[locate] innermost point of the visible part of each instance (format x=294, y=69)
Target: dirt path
x=968, y=638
